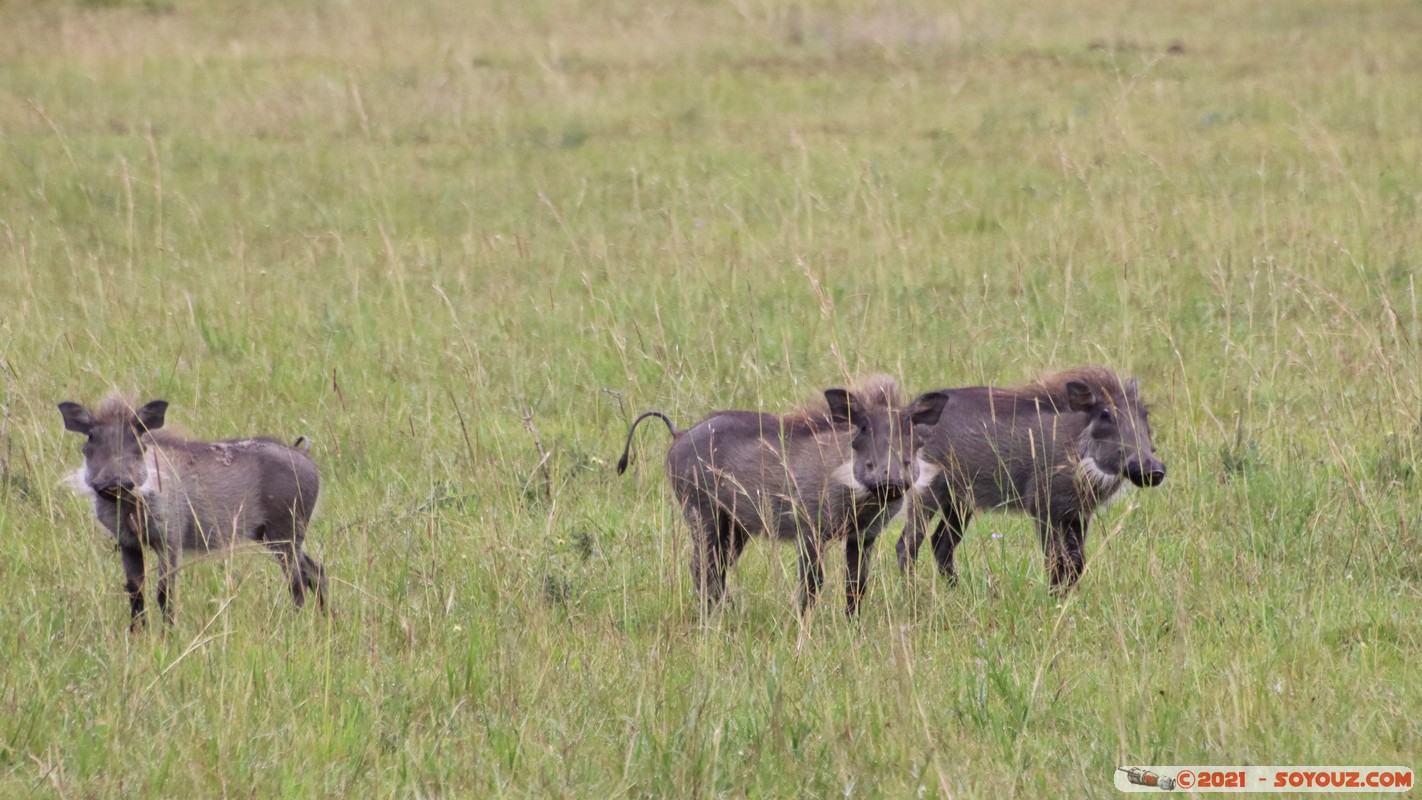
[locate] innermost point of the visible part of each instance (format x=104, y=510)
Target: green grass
x=460, y=247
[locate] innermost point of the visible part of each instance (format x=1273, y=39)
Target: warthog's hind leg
x=304, y=574
x=293, y=565
x=313, y=575
x=716, y=542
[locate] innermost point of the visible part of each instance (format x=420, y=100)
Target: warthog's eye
x=1106, y=415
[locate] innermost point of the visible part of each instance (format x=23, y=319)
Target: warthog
x=812, y=476
x=1057, y=450
x=152, y=488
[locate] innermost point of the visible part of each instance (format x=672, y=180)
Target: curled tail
x=627, y=450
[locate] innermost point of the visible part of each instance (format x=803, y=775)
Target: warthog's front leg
x=133, y=584
x=812, y=571
x=858, y=552
x=922, y=508
x=168, y=554
x=947, y=537
x=1063, y=541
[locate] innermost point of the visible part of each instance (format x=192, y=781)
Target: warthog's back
x=994, y=444
x=212, y=493
x=771, y=473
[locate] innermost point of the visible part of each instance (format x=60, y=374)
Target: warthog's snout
x=1150, y=473
x=114, y=489
x=887, y=490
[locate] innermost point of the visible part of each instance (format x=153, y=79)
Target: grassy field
x=460, y=245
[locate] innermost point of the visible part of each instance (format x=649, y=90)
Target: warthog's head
x=885, y=446
x=1117, y=439
x=114, y=466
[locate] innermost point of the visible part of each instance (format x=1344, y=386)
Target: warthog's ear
x=1133, y=386
x=76, y=417
x=842, y=405
x=150, y=417
x=928, y=408
x=1080, y=396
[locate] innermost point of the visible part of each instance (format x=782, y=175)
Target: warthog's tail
x=627, y=450
x=303, y=444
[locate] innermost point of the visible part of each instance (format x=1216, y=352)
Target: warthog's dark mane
x=115, y=409
x=120, y=409
x=1105, y=382
x=876, y=392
